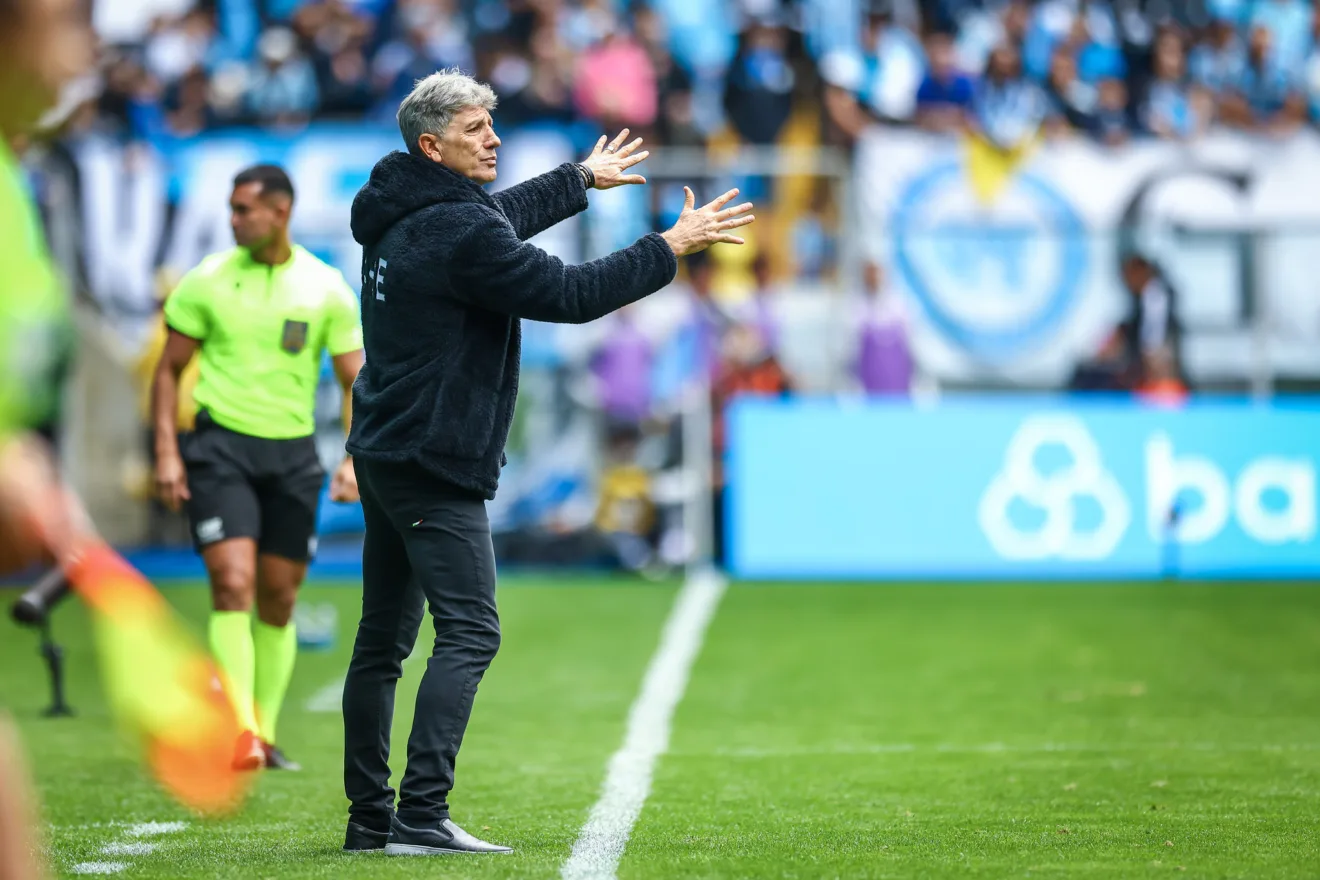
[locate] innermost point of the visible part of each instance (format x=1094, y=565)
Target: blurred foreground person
x=159, y=684
x=19, y=838
x=259, y=316
x=447, y=276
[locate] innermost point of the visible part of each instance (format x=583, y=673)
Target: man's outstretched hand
x=698, y=228
x=611, y=162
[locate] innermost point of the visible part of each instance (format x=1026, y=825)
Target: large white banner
x=1023, y=284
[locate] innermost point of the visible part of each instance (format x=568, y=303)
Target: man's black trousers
x=427, y=544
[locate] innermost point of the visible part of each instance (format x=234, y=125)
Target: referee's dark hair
x=273, y=179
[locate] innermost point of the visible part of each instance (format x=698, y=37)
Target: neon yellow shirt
x=35, y=331
x=262, y=331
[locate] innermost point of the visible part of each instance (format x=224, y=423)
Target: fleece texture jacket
x=447, y=275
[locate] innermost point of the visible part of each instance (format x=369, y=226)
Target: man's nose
x=493, y=142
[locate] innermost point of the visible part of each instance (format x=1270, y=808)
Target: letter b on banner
x=1174, y=480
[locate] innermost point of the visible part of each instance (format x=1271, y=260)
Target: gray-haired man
x=446, y=276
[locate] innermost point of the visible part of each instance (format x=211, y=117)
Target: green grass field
x=826, y=731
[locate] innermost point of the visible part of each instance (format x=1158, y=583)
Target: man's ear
x=430, y=147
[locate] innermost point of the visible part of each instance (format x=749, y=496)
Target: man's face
x=255, y=218
x=43, y=46
x=469, y=144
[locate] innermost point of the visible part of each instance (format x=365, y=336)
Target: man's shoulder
x=308, y=266
x=214, y=268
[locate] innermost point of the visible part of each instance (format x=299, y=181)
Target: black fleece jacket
x=446, y=276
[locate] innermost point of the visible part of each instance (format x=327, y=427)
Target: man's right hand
x=172, y=482
x=699, y=228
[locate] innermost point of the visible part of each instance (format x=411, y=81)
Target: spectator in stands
x=1169, y=111
x=626, y=515
x=1288, y=23
x=746, y=368
x=758, y=309
x=616, y=83
x=881, y=82
x=621, y=367
x=1008, y=108
x=1073, y=103
x=884, y=358
x=1112, y=124
x=945, y=95
x=283, y=89
x=1152, y=323
x=344, y=77
x=1264, y=97
x=1217, y=62
x=1311, y=71
x=706, y=323
x=188, y=105
x=676, y=120
x=175, y=48
x=758, y=94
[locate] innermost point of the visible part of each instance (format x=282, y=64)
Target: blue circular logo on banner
x=995, y=280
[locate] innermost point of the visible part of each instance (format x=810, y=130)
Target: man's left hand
x=610, y=162
x=344, y=487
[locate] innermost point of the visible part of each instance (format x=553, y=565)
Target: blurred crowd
x=686, y=71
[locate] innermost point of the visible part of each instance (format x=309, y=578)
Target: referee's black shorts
x=251, y=487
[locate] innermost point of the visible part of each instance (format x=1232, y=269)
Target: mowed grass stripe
x=548, y=715
x=912, y=731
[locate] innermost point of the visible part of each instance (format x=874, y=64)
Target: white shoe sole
x=410, y=849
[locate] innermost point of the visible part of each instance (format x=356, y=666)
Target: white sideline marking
x=601, y=843
x=152, y=829
x=98, y=867
x=996, y=748
x=128, y=849
x=331, y=697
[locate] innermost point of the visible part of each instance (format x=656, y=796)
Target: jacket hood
x=402, y=183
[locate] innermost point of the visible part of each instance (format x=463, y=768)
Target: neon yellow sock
x=276, y=650
x=231, y=643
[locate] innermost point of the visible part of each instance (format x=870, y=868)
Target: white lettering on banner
x=1171, y=479
x=1055, y=493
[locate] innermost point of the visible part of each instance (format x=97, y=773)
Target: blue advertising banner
x=1022, y=487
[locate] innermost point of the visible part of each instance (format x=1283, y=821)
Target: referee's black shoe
x=277, y=760
x=361, y=839
x=443, y=839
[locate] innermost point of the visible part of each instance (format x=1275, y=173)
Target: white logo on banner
x=1055, y=493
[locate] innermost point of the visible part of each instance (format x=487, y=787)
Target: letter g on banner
x=1055, y=493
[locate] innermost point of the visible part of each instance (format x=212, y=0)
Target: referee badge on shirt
x=294, y=338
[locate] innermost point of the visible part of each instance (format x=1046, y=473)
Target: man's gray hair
x=435, y=100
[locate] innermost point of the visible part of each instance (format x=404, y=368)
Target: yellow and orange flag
x=161, y=683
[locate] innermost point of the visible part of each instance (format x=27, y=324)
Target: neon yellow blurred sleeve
x=35, y=333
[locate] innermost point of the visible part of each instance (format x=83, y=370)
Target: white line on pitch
x=601, y=843
x=98, y=868
x=996, y=748
x=154, y=829
x=330, y=698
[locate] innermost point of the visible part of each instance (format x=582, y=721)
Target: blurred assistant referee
x=261, y=314
x=447, y=276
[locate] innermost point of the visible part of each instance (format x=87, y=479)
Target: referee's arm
x=347, y=366
x=171, y=478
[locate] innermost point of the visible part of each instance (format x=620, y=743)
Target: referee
x=447, y=277
x=261, y=315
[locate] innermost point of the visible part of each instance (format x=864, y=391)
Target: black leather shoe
x=437, y=840
x=360, y=839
